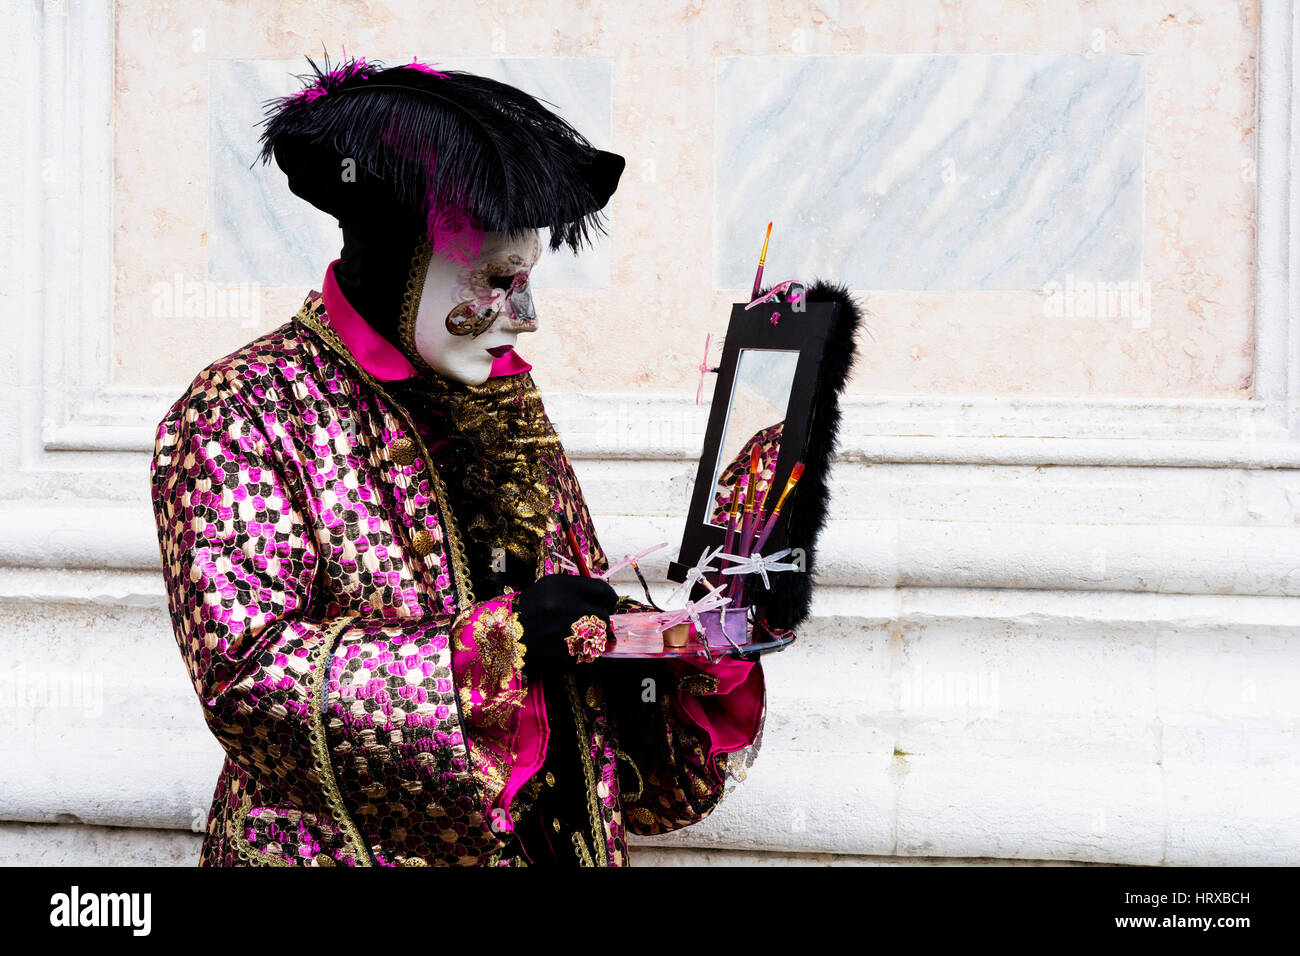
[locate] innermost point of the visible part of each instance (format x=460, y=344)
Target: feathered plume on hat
x=468, y=153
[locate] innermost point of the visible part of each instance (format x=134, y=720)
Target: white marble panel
x=259, y=232
x=931, y=172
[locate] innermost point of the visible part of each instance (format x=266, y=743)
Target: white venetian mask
x=470, y=315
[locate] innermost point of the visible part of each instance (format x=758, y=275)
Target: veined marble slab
x=259, y=232
x=930, y=172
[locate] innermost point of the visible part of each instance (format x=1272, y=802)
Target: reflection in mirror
x=760, y=395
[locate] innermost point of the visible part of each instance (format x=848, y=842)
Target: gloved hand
x=548, y=609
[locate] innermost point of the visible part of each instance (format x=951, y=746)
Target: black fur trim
x=789, y=600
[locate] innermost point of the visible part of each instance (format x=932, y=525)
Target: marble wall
x=1049, y=199
x=963, y=172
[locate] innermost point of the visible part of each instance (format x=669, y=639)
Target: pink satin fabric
x=730, y=717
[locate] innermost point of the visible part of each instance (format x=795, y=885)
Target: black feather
x=465, y=150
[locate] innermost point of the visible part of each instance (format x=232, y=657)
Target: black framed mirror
x=762, y=386
x=784, y=366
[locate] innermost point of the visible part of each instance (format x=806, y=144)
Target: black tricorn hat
x=464, y=154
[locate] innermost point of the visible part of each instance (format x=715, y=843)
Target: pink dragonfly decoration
x=565, y=563
x=704, y=368
x=692, y=610
x=628, y=561
x=792, y=289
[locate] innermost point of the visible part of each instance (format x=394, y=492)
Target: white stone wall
x=1050, y=627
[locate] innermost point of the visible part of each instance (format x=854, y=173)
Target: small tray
x=639, y=634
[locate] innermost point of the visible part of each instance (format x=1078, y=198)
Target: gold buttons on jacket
x=422, y=542
x=402, y=452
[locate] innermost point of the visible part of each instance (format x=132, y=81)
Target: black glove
x=548, y=609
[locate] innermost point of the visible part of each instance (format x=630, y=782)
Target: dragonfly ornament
x=759, y=564
x=705, y=368
x=792, y=290
x=692, y=610
x=633, y=561
x=703, y=566
x=564, y=563
x=628, y=561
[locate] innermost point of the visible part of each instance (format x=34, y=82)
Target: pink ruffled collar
x=376, y=354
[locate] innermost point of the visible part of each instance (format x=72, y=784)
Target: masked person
x=359, y=515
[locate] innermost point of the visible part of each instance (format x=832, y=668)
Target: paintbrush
x=733, y=518
x=795, y=474
x=747, y=527
x=758, y=519
x=636, y=569
x=573, y=544
x=758, y=277
x=750, y=491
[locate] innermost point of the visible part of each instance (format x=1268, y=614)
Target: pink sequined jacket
x=373, y=712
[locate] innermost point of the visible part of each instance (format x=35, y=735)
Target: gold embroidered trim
x=321, y=760
x=580, y=847
x=588, y=771
x=699, y=684
x=411, y=303
x=501, y=663
x=497, y=635
x=640, y=780
x=455, y=548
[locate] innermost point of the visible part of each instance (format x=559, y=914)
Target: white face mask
x=469, y=316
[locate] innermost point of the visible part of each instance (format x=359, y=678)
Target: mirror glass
x=760, y=396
